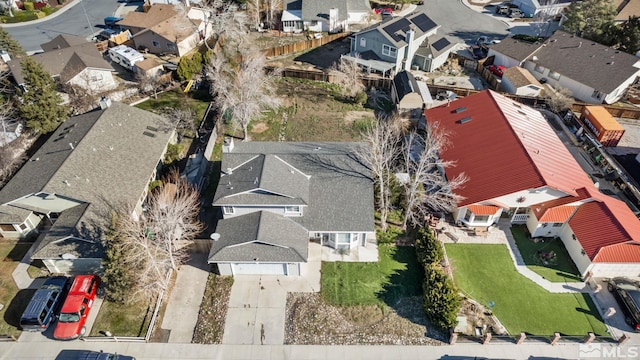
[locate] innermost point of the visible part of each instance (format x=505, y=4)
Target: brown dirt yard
x=311, y=111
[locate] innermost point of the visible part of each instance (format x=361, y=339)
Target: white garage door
x=259, y=269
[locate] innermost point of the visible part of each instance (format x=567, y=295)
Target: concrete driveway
x=257, y=305
x=617, y=326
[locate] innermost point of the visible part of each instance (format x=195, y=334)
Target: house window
x=481, y=218
x=554, y=75
x=292, y=209
x=171, y=46
x=228, y=210
x=597, y=94
x=155, y=43
x=292, y=24
x=533, y=87
x=557, y=224
x=314, y=23
x=96, y=77
x=389, y=50
x=363, y=42
x=23, y=226
x=7, y=227
x=539, y=69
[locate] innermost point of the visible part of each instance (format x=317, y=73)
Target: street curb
x=474, y=8
x=46, y=18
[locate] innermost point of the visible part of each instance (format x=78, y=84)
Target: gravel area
x=213, y=311
x=311, y=321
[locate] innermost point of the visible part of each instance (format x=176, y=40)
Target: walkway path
x=502, y=235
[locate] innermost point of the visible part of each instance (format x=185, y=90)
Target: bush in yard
x=360, y=98
x=189, y=66
x=389, y=236
x=173, y=154
x=28, y=6
x=428, y=248
x=441, y=300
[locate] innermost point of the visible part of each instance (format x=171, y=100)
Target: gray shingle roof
x=590, y=63
x=12, y=214
x=261, y=235
x=319, y=10
x=515, y=49
x=340, y=186
x=110, y=164
x=405, y=83
x=271, y=180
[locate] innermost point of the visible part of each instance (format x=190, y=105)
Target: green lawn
x=560, y=269
x=123, y=320
x=395, y=276
x=14, y=300
x=176, y=98
x=486, y=274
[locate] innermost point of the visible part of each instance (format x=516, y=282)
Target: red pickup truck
x=76, y=307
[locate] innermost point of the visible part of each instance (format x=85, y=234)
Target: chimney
x=409, y=37
x=105, y=102
x=580, y=44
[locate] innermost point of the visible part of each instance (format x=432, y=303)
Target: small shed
x=408, y=94
x=149, y=67
x=602, y=125
x=519, y=81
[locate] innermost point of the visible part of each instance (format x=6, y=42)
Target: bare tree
x=180, y=119
x=348, y=75
x=156, y=242
x=274, y=7
x=559, y=99
x=81, y=100
x=381, y=156
x=224, y=20
x=242, y=88
x=427, y=188
x=149, y=84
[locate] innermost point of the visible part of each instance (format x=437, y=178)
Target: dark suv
x=627, y=293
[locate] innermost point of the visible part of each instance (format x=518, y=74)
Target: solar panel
x=423, y=22
x=401, y=24
x=441, y=44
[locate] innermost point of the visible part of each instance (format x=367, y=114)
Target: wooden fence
x=303, y=45
x=319, y=75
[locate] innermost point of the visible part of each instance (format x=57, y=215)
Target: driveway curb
x=46, y=18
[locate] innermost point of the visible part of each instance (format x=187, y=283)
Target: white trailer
x=125, y=56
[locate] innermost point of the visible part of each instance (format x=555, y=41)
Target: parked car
x=627, y=294
x=383, y=10
x=44, y=305
x=76, y=307
x=484, y=40
x=90, y=355
x=478, y=52
x=497, y=70
x=516, y=13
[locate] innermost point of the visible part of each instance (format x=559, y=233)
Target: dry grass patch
x=13, y=299
x=213, y=311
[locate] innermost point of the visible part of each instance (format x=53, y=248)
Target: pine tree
x=117, y=276
x=41, y=105
x=428, y=248
x=10, y=45
x=441, y=299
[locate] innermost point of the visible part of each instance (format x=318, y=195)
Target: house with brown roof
x=518, y=167
x=519, y=81
x=593, y=72
x=626, y=9
x=72, y=60
x=164, y=29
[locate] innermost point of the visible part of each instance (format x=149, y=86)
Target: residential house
x=545, y=8
x=276, y=197
x=163, y=29
x=594, y=73
x=72, y=60
x=93, y=162
x=520, y=169
x=626, y=9
x=326, y=15
x=149, y=67
x=409, y=95
x=519, y=81
x=400, y=43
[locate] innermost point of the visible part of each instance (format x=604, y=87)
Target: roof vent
x=465, y=120
x=67, y=183
x=255, y=181
x=152, y=128
x=229, y=171
x=149, y=134
x=459, y=110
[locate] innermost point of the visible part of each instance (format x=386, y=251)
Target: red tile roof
x=604, y=223
x=505, y=147
x=483, y=209
x=544, y=210
x=619, y=253
x=558, y=214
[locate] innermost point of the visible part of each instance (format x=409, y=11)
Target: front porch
x=366, y=253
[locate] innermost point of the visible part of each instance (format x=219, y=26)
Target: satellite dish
x=68, y=256
x=215, y=236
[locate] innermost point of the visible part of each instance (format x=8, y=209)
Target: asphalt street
x=75, y=20
x=462, y=23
